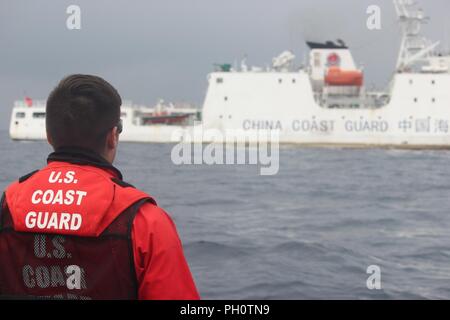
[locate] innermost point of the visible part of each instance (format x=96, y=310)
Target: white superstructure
x=326, y=102
x=323, y=103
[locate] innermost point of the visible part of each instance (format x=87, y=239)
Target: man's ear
x=49, y=139
x=112, y=139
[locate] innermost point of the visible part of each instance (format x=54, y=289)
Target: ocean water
x=309, y=232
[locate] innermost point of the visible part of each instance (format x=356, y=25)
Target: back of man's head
x=81, y=111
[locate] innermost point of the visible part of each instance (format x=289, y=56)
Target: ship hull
x=171, y=134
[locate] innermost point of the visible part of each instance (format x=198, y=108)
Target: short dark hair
x=81, y=110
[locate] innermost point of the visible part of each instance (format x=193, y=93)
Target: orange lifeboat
x=338, y=77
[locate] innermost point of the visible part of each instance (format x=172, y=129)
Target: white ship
x=322, y=103
x=140, y=123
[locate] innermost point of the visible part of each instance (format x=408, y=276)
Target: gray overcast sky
x=152, y=49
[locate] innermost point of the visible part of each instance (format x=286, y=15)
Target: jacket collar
x=82, y=156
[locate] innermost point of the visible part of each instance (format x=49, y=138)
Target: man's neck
x=82, y=156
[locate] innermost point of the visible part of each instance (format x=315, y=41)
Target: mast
x=414, y=46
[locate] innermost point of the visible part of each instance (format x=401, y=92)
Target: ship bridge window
x=317, y=58
x=20, y=115
x=38, y=115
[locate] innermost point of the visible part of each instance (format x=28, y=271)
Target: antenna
x=414, y=46
x=244, y=67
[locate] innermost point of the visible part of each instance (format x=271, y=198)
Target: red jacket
x=161, y=269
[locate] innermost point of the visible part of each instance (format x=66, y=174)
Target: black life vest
x=52, y=261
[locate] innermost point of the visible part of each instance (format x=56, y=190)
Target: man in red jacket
x=75, y=229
